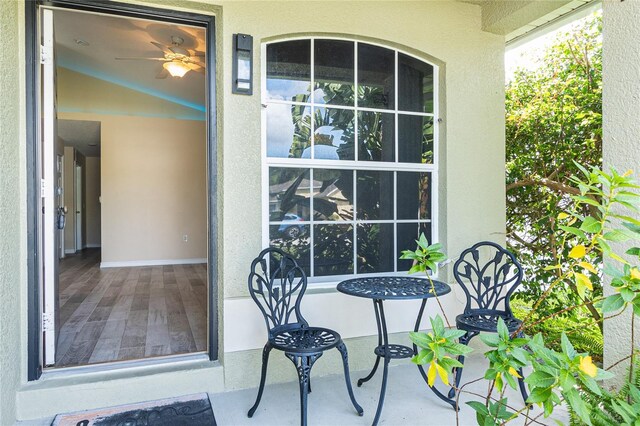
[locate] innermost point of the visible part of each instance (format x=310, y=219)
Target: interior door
x=49, y=188
x=78, y=204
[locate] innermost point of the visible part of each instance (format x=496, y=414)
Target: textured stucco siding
x=621, y=133
x=11, y=212
x=471, y=192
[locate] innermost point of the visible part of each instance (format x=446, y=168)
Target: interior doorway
x=127, y=149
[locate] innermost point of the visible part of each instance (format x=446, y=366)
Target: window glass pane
x=415, y=84
x=415, y=139
x=374, y=195
x=376, y=69
x=376, y=133
x=332, y=194
x=289, y=194
x=334, y=134
x=414, y=195
x=334, y=64
x=375, y=247
x=294, y=240
x=289, y=70
x=288, y=130
x=408, y=233
x=333, y=250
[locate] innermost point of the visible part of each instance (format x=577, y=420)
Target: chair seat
x=305, y=340
x=486, y=321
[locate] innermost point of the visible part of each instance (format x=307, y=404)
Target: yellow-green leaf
x=514, y=373
x=431, y=374
x=578, y=252
x=589, y=267
x=444, y=376
x=635, y=274
x=588, y=367
x=582, y=282
x=562, y=215
x=618, y=258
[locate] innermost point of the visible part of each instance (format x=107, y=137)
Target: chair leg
x=523, y=389
x=263, y=377
x=521, y=385
x=345, y=361
x=458, y=370
x=303, y=364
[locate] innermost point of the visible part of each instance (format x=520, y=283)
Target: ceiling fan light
x=176, y=68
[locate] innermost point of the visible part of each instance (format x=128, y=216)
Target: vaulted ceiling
x=89, y=43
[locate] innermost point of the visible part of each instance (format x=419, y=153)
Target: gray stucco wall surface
x=10, y=211
x=621, y=133
x=471, y=174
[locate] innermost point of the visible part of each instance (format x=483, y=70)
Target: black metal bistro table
x=380, y=289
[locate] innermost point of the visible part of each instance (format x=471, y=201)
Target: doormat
x=192, y=410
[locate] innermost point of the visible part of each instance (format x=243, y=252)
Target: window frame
x=353, y=165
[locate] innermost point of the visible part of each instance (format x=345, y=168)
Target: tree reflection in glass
x=333, y=250
x=334, y=134
x=375, y=247
x=376, y=134
x=332, y=194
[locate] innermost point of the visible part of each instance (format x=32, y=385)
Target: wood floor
x=118, y=314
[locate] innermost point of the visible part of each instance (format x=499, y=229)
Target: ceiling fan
x=177, y=61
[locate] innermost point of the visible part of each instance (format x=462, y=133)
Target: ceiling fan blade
x=142, y=59
x=200, y=64
x=193, y=66
x=161, y=47
x=197, y=53
x=162, y=74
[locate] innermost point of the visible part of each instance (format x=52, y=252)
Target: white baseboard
x=69, y=251
x=93, y=246
x=132, y=263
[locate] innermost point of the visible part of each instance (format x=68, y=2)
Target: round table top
x=393, y=288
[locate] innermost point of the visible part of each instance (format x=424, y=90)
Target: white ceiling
x=112, y=36
x=82, y=135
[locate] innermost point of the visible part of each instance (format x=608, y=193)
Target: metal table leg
x=439, y=394
x=375, y=366
x=387, y=358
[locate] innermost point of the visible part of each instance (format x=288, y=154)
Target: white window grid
x=354, y=165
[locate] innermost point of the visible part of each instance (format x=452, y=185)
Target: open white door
x=49, y=188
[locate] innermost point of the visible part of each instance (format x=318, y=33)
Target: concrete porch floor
x=407, y=401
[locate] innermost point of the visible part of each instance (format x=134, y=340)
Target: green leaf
x=540, y=379
x=490, y=339
x=503, y=331
x=616, y=235
x=437, y=325
x=612, y=303
x=539, y=395
x=591, y=225
x=567, y=347
x=575, y=231
x=632, y=227
x=578, y=406
x=627, y=294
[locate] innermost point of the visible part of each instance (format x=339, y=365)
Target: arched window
x=350, y=154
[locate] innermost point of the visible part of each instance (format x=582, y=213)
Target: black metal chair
x=277, y=284
x=488, y=274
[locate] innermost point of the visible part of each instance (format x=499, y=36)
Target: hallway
x=119, y=314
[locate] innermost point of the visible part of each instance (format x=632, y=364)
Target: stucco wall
x=473, y=117
x=11, y=211
x=472, y=204
x=621, y=134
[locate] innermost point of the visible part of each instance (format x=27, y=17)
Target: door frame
x=32, y=86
